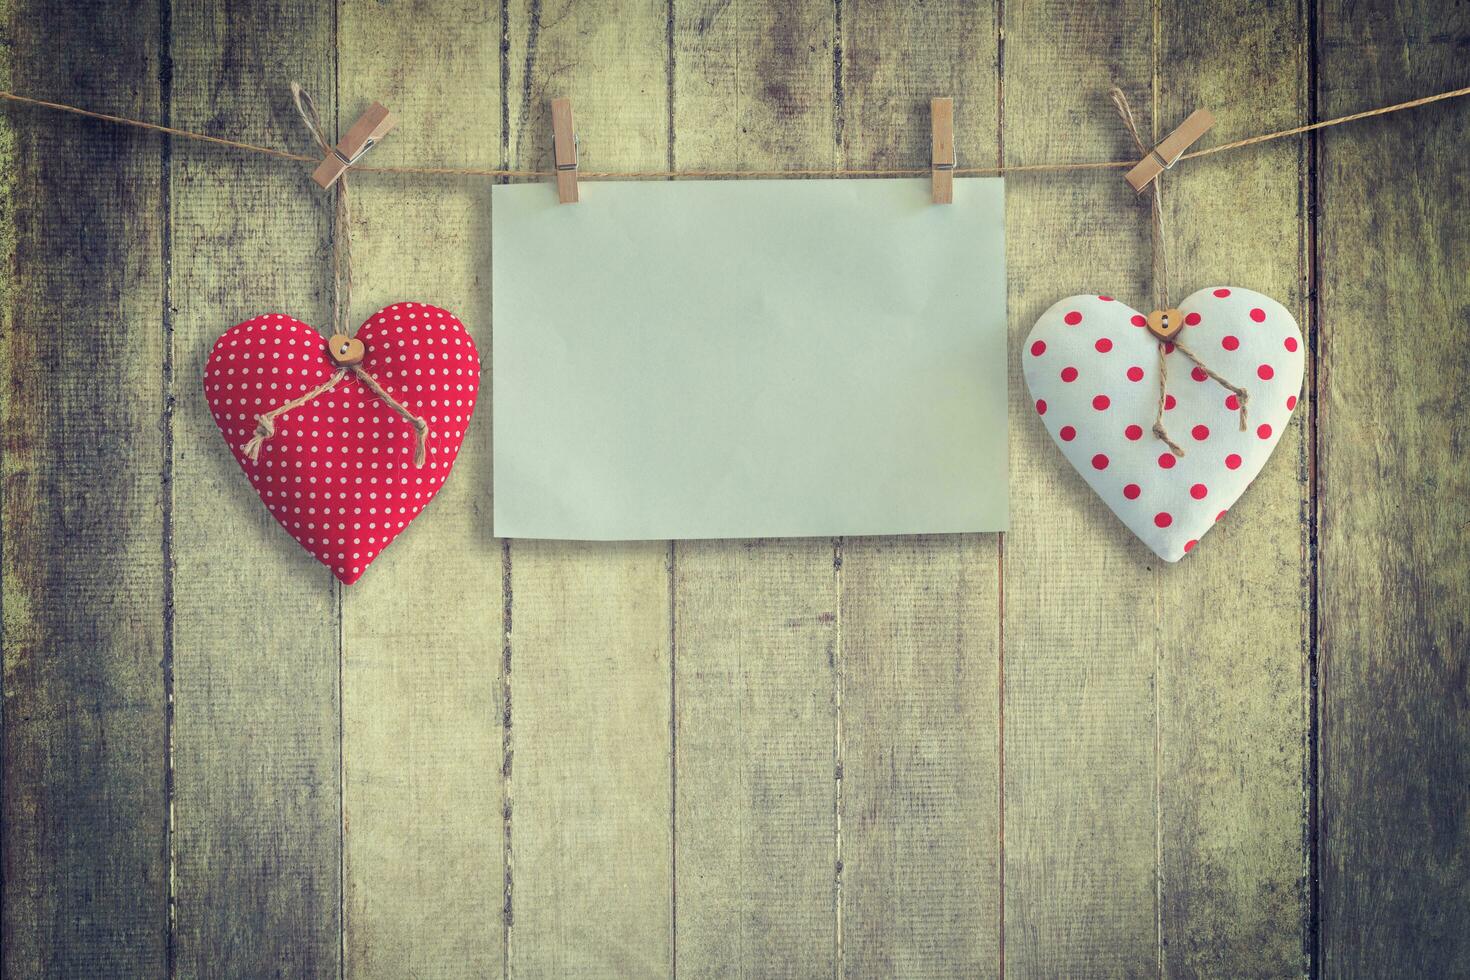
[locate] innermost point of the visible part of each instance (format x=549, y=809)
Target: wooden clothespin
x=564, y=134
x=370, y=127
x=1167, y=153
x=942, y=158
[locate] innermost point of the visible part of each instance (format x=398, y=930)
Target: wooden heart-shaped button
x=345, y=351
x=1164, y=324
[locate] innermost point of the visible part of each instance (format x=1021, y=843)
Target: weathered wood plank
x=256, y=658
x=1080, y=620
x=920, y=616
x=82, y=367
x=423, y=861
x=1233, y=653
x=921, y=813
x=589, y=638
x=756, y=819
x=590, y=784
x=757, y=633
x=1394, y=567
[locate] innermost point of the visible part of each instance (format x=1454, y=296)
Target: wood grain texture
x=1394, y=604
x=423, y=860
x=1233, y=647
x=757, y=854
x=746, y=758
x=921, y=805
x=589, y=636
x=82, y=355
x=757, y=760
x=1080, y=619
x=590, y=786
x=920, y=616
x=256, y=711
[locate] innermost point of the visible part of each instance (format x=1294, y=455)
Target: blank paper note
x=749, y=358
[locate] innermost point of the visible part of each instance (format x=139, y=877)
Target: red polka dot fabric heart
x=338, y=473
x=1092, y=368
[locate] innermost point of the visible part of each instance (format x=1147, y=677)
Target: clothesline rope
x=657, y=174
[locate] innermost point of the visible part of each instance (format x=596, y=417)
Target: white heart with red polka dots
x=1092, y=368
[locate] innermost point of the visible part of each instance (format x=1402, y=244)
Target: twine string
x=666, y=174
x=265, y=424
x=420, y=427
x=341, y=307
x=341, y=217
x=1241, y=395
x=341, y=243
x=1161, y=285
x=1156, y=194
x=1161, y=433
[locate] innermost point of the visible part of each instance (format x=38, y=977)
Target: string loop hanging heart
x=344, y=351
x=1165, y=323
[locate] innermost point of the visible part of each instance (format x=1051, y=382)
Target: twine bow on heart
x=341, y=302
x=1168, y=336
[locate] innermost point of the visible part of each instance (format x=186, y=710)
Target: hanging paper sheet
x=752, y=358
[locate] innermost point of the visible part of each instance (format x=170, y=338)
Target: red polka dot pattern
x=338, y=473
x=1094, y=375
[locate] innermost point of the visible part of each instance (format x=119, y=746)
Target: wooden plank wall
x=85, y=365
x=1393, y=661
x=256, y=733
x=758, y=761
x=421, y=670
x=1038, y=753
x=590, y=626
x=920, y=616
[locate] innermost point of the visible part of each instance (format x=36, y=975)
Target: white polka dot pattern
x=338, y=474
x=1093, y=370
